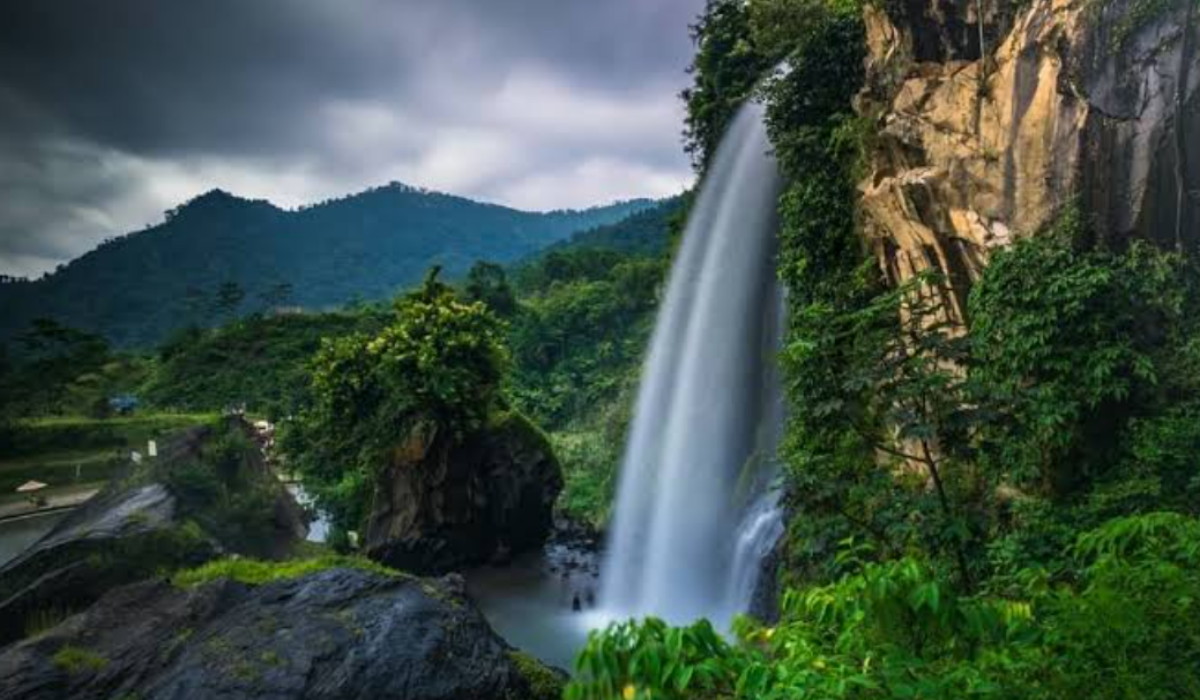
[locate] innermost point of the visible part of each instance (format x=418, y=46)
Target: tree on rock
x=390, y=416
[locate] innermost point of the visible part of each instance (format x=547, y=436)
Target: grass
x=73, y=659
x=33, y=436
x=58, y=469
x=256, y=572
x=131, y=422
x=543, y=683
x=50, y=449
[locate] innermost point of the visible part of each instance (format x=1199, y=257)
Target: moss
x=256, y=572
x=73, y=659
x=515, y=424
x=544, y=684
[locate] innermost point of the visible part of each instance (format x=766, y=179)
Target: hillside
x=219, y=256
x=644, y=233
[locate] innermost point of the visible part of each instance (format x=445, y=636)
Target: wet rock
x=340, y=633
x=446, y=503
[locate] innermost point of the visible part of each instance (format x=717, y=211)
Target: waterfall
x=695, y=511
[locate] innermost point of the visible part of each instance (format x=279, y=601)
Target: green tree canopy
x=439, y=361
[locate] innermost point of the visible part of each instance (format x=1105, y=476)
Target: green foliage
x=578, y=341
x=488, y=283
x=229, y=297
x=543, y=683
x=256, y=573
x=57, y=370
x=590, y=452
x=580, y=338
x=651, y=661
x=1071, y=343
x=259, y=361
x=61, y=451
x=227, y=489
x=74, y=659
x=725, y=69
x=896, y=630
x=644, y=234
x=438, y=363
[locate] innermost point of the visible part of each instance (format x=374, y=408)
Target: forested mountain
x=220, y=256
x=643, y=233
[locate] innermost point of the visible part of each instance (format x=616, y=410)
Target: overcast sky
x=113, y=111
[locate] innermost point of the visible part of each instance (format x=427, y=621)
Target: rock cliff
x=446, y=502
x=993, y=115
x=339, y=633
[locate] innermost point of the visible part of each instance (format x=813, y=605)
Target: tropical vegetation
x=995, y=504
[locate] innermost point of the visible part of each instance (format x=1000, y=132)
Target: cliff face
x=445, y=503
x=987, y=129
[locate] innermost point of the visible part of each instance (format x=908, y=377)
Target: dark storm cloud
x=112, y=111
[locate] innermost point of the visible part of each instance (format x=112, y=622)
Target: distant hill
x=646, y=232
x=220, y=256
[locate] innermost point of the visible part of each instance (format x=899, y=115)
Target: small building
x=124, y=404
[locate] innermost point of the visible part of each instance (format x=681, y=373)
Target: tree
x=53, y=356
x=438, y=364
x=724, y=71
x=487, y=283
x=229, y=297
x=198, y=305
x=277, y=295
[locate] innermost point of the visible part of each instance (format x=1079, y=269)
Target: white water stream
x=695, y=513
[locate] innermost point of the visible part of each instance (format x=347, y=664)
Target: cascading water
x=695, y=512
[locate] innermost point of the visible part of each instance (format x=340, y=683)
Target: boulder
x=337, y=633
x=446, y=502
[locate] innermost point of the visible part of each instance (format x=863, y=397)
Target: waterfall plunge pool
x=531, y=601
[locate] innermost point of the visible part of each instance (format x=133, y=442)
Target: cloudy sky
x=112, y=112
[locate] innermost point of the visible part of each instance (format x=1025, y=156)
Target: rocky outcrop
x=339, y=633
x=987, y=129
x=445, y=503
x=149, y=520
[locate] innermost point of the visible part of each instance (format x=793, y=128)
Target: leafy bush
x=896, y=630
x=1069, y=344
x=227, y=489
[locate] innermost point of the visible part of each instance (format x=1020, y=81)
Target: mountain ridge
x=136, y=288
